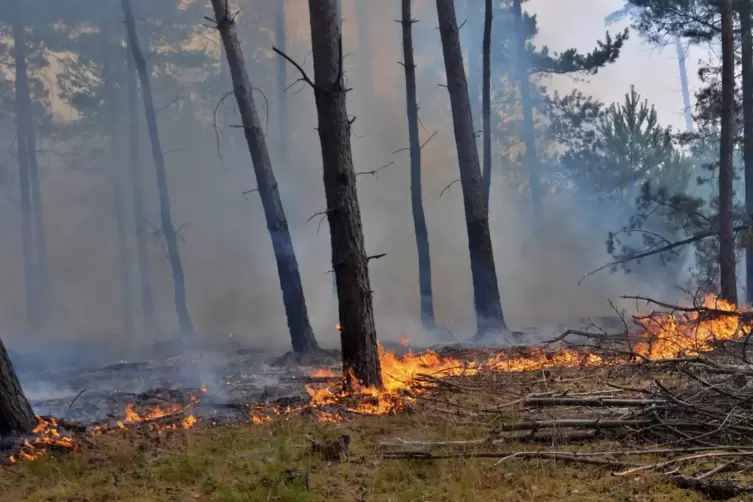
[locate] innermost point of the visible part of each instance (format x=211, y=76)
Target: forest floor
x=275, y=460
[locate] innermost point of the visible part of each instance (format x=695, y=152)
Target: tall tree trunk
x=171, y=238
x=16, y=415
x=474, y=26
x=485, y=288
x=728, y=281
x=37, y=219
x=365, y=46
x=687, y=106
x=282, y=100
x=339, y=14
x=487, y=99
x=116, y=149
x=419, y=218
x=23, y=117
x=349, y=260
x=301, y=333
x=139, y=203
x=746, y=29
x=529, y=132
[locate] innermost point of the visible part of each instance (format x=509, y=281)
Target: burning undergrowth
x=144, y=397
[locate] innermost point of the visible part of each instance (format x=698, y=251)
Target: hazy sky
x=653, y=70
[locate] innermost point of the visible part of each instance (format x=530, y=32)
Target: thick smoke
x=232, y=282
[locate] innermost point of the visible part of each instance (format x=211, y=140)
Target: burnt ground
x=70, y=380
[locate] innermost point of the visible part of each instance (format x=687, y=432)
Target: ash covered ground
x=92, y=383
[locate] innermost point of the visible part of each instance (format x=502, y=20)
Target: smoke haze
x=231, y=280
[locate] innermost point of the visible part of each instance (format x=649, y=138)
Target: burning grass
x=619, y=403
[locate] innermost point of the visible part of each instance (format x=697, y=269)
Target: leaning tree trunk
x=349, y=260
x=23, y=117
x=171, y=238
x=419, y=218
x=301, y=333
x=728, y=281
x=487, y=302
x=16, y=415
x=365, y=46
x=529, y=132
x=139, y=203
x=487, y=100
x=112, y=117
x=747, y=62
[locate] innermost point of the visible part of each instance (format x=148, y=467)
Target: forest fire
x=664, y=335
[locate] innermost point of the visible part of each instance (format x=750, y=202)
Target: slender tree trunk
x=171, y=238
x=687, y=106
x=746, y=30
x=40, y=246
x=485, y=288
x=16, y=415
x=112, y=103
x=349, y=259
x=22, y=126
x=282, y=99
x=139, y=203
x=365, y=45
x=301, y=333
x=419, y=218
x=339, y=14
x=474, y=27
x=529, y=132
x=487, y=100
x=728, y=281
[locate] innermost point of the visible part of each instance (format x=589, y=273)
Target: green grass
x=248, y=463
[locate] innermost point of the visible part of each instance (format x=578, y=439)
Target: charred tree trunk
x=171, y=238
x=124, y=263
x=529, y=132
x=365, y=45
x=139, y=203
x=747, y=62
x=23, y=117
x=419, y=218
x=16, y=415
x=349, y=259
x=486, y=110
x=487, y=302
x=301, y=333
x=282, y=100
x=728, y=281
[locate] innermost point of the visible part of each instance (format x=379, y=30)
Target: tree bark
x=728, y=281
x=113, y=108
x=22, y=127
x=16, y=415
x=529, y=132
x=349, y=259
x=487, y=99
x=419, y=218
x=282, y=100
x=139, y=203
x=746, y=34
x=301, y=334
x=365, y=46
x=171, y=238
x=487, y=302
